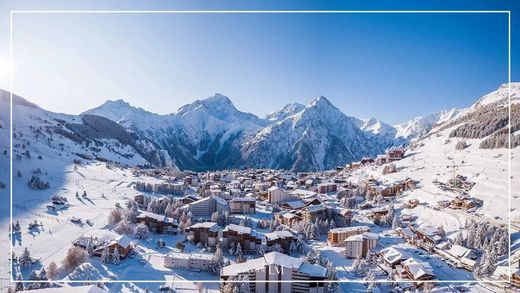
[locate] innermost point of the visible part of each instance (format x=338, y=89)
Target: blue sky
x=389, y=66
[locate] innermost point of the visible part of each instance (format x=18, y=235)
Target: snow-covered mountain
x=212, y=133
x=318, y=137
x=65, y=137
x=420, y=125
x=284, y=112
x=206, y=134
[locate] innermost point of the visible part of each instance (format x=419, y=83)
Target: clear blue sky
x=389, y=66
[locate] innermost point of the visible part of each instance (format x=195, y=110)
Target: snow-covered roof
x=370, y=235
x=275, y=258
x=278, y=234
x=238, y=229
x=354, y=238
x=122, y=240
x=204, y=225
x=313, y=270
x=295, y=204
x=184, y=255
x=392, y=255
x=459, y=251
x=417, y=268
x=157, y=217
x=316, y=208
x=349, y=229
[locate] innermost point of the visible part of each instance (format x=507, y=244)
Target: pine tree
x=116, y=257
x=217, y=261
x=332, y=225
x=105, y=255
x=239, y=253
x=33, y=277
x=141, y=231
x=503, y=244
x=459, y=240
x=89, y=248
x=25, y=259
x=42, y=276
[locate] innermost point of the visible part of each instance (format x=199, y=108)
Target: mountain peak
x=118, y=103
x=218, y=99
x=319, y=101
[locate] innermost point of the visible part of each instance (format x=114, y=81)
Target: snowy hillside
x=419, y=126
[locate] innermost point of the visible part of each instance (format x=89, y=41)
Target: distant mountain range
x=212, y=134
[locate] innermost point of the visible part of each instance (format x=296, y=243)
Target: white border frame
x=11, y=70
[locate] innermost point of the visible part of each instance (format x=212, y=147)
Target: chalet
x=314, y=212
x=406, y=219
x=292, y=205
x=122, y=243
x=394, y=154
x=459, y=256
x=426, y=238
x=407, y=234
x=380, y=160
x=288, y=217
x=247, y=237
x=283, y=238
x=378, y=212
x=158, y=223
x=465, y=203
x=142, y=200
x=411, y=203
x=242, y=205
x=206, y=233
x=392, y=257
x=417, y=270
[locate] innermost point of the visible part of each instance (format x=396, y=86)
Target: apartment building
x=275, y=266
x=360, y=245
x=205, y=207
x=206, y=233
x=188, y=261
x=337, y=236
x=242, y=205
